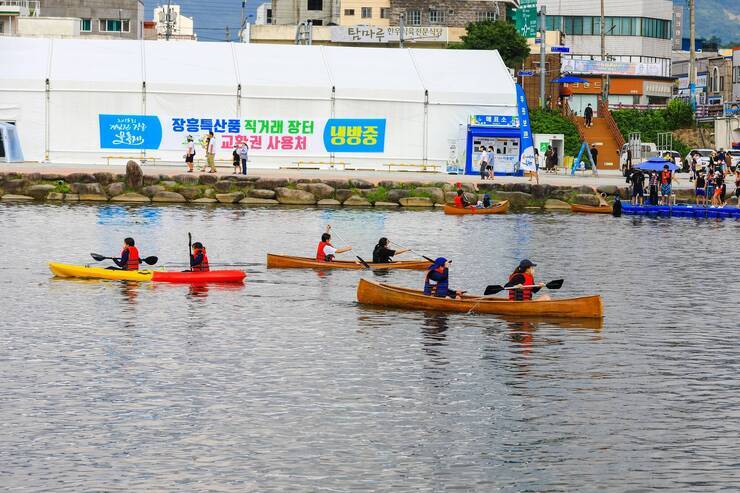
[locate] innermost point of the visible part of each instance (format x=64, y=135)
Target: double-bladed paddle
x=148, y=260
x=495, y=288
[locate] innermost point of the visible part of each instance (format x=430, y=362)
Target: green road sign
x=526, y=18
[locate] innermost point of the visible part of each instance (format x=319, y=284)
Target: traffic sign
x=526, y=73
x=526, y=18
x=559, y=49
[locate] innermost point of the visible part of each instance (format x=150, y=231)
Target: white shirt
x=191, y=148
x=483, y=158
x=212, y=145
x=329, y=250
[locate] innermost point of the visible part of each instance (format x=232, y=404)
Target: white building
x=181, y=27
x=263, y=14
x=75, y=101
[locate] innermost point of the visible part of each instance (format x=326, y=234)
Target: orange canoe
x=374, y=293
x=591, y=209
x=499, y=208
x=288, y=262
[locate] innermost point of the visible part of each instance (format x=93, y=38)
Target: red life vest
x=522, y=294
x=320, y=255
x=459, y=201
x=665, y=177
x=133, y=257
x=203, y=266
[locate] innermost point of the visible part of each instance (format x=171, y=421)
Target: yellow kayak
x=82, y=272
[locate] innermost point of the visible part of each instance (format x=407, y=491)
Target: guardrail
x=613, y=128
x=29, y=8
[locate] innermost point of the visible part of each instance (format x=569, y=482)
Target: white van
x=646, y=151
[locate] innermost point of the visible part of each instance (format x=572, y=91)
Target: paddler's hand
x=541, y=285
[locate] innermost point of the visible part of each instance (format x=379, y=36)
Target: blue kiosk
x=509, y=135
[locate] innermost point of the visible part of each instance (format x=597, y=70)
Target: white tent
x=291, y=103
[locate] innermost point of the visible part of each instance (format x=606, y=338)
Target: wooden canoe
x=374, y=293
x=290, y=262
x=591, y=209
x=499, y=208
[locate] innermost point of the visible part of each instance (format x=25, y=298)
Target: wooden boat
x=374, y=293
x=498, y=208
x=591, y=209
x=290, y=262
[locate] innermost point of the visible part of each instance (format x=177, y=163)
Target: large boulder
x=80, y=178
x=229, y=198
x=342, y=194
x=32, y=176
x=436, y=194
x=262, y=194
x=555, y=205
x=585, y=189
x=390, y=184
x=271, y=183
x=205, y=200
x=541, y=191
x=416, y=202
x=258, y=201
x=357, y=201
x=134, y=175
x=610, y=190
x=16, y=197
x=189, y=193
x=223, y=186
x=55, y=196
x=387, y=204
x=469, y=187
x=490, y=186
x=294, y=197
x=52, y=176
x=15, y=186
x=150, y=179
x=338, y=183
x=320, y=190
x=93, y=197
x=39, y=192
x=187, y=179
x=116, y=189
x=207, y=179
x=518, y=187
x=152, y=190
x=586, y=199
x=397, y=194
x=87, y=188
x=164, y=196
x=361, y=184
x=104, y=178
x=561, y=193
x=329, y=202
x=131, y=197
x=71, y=197
x=518, y=200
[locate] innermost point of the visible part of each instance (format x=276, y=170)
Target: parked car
x=703, y=159
x=645, y=152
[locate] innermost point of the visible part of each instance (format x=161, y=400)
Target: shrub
x=551, y=122
x=379, y=194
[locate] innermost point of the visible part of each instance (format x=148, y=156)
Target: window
x=317, y=22
x=85, y=25
x=385, y=13
x=413, y=17
x=114, y=25
x=349, y=11
x=487, y=15
x=722, y=83
x=315, y=4
x=367, y=12
x=436, y=17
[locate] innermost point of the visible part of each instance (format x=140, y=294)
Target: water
x=286, y=384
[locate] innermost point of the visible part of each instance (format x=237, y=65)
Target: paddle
x=495, y=288
x=412, y=250
x=364, y=264
x=148, y=260
x=190, y=251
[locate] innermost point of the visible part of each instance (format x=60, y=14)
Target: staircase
x=604, y=133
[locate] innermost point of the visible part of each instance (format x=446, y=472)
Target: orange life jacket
x=133, y=257
x=524, y=294
x=320, y=255
x=203, y=266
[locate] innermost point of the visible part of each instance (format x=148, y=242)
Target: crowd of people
x=239, y=155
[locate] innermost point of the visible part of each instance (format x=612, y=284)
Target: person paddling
x=325, y=252
x=199, y=258
x=522, y=280
x=384, y=255
x=130, y=259
x=460, y=200
x=436, y=282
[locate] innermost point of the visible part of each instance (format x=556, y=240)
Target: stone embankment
x=136, y=187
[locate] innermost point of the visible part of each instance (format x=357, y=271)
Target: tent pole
x=46, y=125
x=426, y=126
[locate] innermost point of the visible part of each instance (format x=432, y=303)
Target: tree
x=499, y=35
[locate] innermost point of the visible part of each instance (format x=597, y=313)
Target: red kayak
x=199, y=277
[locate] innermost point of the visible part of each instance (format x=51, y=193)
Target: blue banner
x=526, y=146
x=494, y=120
x=354, y=135
x=130, y=132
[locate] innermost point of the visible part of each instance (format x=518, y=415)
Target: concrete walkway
x=604, y=178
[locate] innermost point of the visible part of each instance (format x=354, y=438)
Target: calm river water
x=286, y=384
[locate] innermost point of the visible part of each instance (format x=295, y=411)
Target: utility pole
x=228, y=34
x=692, y=56
x=168, y=23
x=543, y=32
x=402, y=29
x=241, y=26
x=602, y=31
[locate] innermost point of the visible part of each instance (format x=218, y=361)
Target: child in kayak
x=199, y=258
x=522, y=280
x=129, y=256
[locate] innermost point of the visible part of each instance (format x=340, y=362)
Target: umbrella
x=569, y=79
x=656, y=164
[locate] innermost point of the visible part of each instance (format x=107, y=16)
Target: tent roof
x=456, y=77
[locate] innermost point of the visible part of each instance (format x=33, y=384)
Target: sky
x=210, y=16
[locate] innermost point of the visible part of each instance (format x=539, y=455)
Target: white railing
x=28, y=8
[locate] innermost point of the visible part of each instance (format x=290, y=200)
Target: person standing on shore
x=211, y=153
x=588, y=115
x=244, y=155
x=235, y=160
x=595, y=154
x=637, y=179
x=483, y=162
x=190, y=154
x=699, y=191
x=536, y=172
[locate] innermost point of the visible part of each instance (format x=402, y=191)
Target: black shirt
x=638, y=179
x=382, y=255
x=701, y=182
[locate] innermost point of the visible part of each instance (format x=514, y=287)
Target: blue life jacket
x=437, y=283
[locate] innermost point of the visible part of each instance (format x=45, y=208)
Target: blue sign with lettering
x=354, y=135
x=130, y=132
x=526, y=73
x=559, y=49
x=494, y=120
